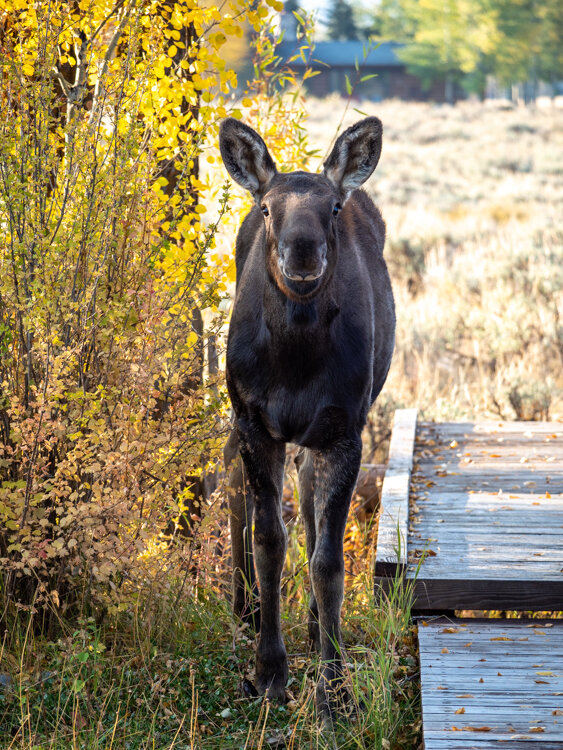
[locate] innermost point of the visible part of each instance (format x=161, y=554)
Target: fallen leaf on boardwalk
x=445, y=650
x=481, y=680
x=501, y=638
x=547, y=625
x=557, y=712
x=477, y=729
x=460, y=711
x=453, y=444
x=541, y=682
x=466, y=645
x=536, y=730
x=465, y=695
x=450, y=630
x=441, y=687
x=546, y=674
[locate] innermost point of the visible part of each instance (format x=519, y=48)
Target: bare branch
x=61, y=80
x=109, y=52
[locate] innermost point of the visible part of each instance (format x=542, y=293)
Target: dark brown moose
x=309, y=348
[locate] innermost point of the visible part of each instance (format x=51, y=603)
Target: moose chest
x=305, y=387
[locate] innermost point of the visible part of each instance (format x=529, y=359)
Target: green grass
x=171, y=679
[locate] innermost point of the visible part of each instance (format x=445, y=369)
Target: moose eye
x=264, y=210
x=336, y=209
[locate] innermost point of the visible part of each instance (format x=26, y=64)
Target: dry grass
x=472, y=196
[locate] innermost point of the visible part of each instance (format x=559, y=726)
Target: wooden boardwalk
x=491, y=684
x=472, y=517
x=482, y=526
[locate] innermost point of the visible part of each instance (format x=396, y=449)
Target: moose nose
x=302, y=275
x=300, y=263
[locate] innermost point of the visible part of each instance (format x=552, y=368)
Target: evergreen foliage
x=341, y=24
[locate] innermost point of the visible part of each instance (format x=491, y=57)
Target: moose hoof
x=247, y=689
x=271, y=675
x=273, y=689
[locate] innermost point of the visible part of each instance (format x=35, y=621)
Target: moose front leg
x=264, y=463
x=336, y=471
x=306, y=472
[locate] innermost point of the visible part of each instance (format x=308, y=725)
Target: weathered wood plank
x=526, y=594
x=487, y=428
x=393, y=515
x=441, y=743
x=471, y=540
x=486, y=516
x=523, y=571
x=481, y=499
x=481, y=696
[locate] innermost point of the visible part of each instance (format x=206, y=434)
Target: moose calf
x=309, y=347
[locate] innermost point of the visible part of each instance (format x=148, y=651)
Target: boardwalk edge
x=391, y=554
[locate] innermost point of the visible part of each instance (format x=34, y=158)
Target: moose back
x=309, y=348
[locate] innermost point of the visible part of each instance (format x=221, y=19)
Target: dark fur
x=305, y=360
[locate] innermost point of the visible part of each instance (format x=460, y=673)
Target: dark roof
x=344, y=54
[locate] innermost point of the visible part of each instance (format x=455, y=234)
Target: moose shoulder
x=309, y=348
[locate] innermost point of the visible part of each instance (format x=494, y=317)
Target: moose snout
x=303, y=261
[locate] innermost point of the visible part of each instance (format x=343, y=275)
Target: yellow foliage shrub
x=110, y=290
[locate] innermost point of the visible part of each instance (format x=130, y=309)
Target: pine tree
x=341, y=24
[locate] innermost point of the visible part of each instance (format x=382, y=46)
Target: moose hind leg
x=245, y=590
x=306, y=474
x=264, y=463
x=336, y=471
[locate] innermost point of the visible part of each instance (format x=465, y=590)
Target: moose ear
x=246, y=156
x=355, y=155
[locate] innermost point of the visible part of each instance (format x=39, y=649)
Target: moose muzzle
x=302, y=259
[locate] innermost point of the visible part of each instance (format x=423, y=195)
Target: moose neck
x=306, y=322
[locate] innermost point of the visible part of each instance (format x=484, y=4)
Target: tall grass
x=169, y=675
